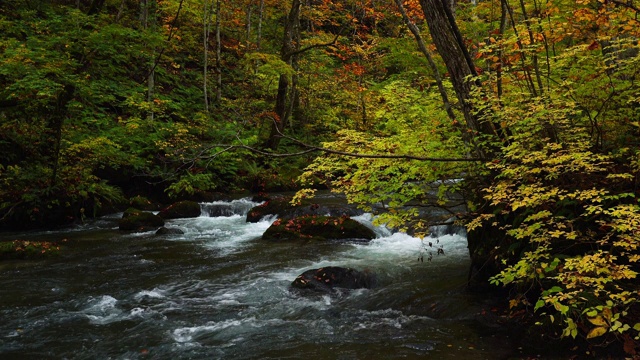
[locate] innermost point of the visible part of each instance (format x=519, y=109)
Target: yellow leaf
x=598, y=321
x=595, y=332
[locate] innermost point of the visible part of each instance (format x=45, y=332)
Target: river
x=220, y=292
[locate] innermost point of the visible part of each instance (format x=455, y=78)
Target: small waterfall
x=228, y=208
x=450, y=228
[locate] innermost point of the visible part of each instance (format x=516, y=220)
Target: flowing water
x=220, y=292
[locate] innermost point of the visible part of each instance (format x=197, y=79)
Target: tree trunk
x=147, y=20
x=432, y=64
x=57, y=124
x=260, y=15
x=290, y=43
x=248, y=23
x=205, y=68
x=218, y=55
x=503, y=27
x=446, y=36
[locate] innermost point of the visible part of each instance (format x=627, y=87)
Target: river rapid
x=220, y=292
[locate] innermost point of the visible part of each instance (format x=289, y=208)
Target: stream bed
x=220, y=292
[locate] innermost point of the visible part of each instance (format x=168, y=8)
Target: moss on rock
x=25, y=249
x=137, y=220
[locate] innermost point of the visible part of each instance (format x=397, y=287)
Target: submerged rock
x=169, y=231
x=180, y=210
x=328, y=278
x=317, y=228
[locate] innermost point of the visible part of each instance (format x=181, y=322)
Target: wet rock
x=321, y=228
x=169, y=231
x=30, y=250
x=328, y=278
x=282, y=207
x=181, y=209
x=142, y=203
x=138, y=220
x=274, y=206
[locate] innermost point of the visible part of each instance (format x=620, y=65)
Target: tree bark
x=218, y=55
x=260, y=15
x=248, y=23
x=432, y=64
x=57, y=123
x=446, y=36
x=288, y=54
x=205, y=68
x=146, y=20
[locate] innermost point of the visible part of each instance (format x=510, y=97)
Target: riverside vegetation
x=517, y=119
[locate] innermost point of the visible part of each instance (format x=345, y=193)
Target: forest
x=519, y=119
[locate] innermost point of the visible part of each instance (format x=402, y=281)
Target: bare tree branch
x=313, y=148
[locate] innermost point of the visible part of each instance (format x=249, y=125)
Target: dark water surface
x=220, y=292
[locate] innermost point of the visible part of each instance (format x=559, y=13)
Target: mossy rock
x=137, y=220
x=180, y=210
x=141, y=202
x=132, y=211
x=25, y=249
x=317, y=228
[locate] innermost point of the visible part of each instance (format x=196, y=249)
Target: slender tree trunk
x=310, y=27
x=259, y=34
x=432, y=64
x=218, y=55
x=527, y=74
x=503, y=27
x=248, y=23
x=546, y=44
x=120, y=11
x=446, y=37
x=534, y=56
x=57, y=124
x=205, y=68
x=290, y=43
x=147, y=23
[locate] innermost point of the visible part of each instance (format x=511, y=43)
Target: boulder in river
x=312, y=227
x=137, y=220
x=273, y=206
x=328, y=278
x=142, y=203
x=181, y=209
x=282, y=207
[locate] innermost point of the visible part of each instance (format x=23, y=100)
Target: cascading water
x=219, y=292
